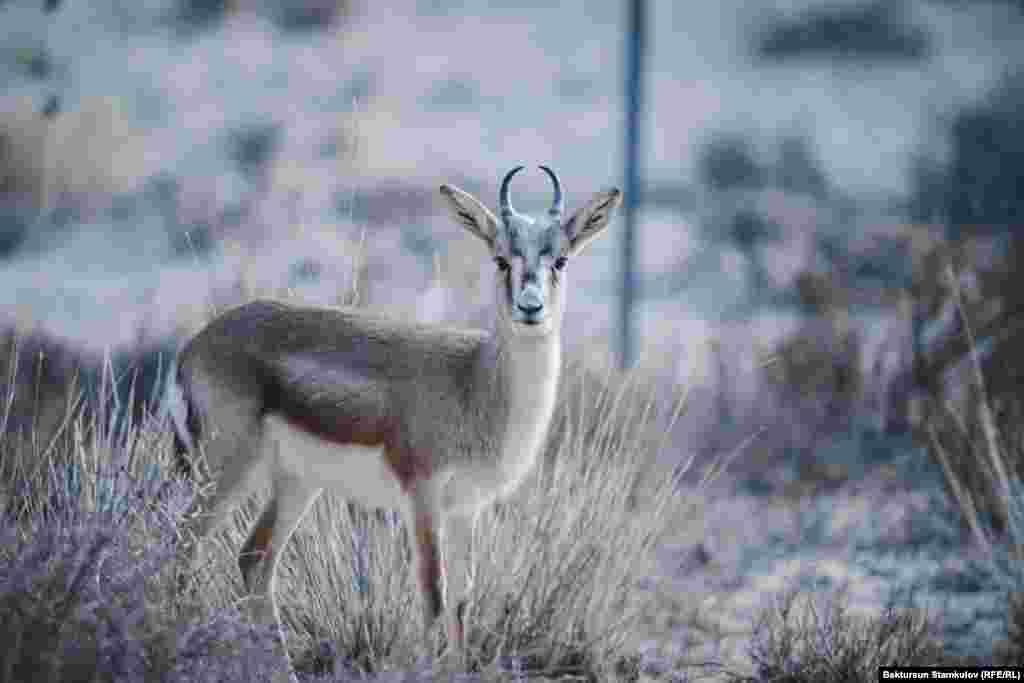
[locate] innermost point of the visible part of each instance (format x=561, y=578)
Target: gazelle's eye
x=503, y=265
x=560, y=262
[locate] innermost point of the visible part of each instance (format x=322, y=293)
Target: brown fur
x=388, y=366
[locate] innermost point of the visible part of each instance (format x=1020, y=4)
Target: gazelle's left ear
x=588, y=222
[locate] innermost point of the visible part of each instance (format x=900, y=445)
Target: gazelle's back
x=347, y=377
x=373, y=345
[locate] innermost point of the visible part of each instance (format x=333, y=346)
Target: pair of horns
x=506, y=206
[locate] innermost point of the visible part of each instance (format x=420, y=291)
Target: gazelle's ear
x=470, y=213
x=588, y=222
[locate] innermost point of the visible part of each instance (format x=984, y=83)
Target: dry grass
x=978, y=445
x=801, y=640
x=979, y=452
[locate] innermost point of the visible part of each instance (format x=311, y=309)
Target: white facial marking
x=528, y=290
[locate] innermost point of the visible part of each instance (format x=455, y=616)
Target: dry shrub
x=804, y=640
x=821, y=361
x=815, y=385
x=87, y=547
x=602, y=406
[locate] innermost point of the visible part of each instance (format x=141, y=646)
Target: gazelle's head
x=531, y=252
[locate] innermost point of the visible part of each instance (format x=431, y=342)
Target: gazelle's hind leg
x=290, y=499
x=256, y=545
x=289, y=502
x=240, y=473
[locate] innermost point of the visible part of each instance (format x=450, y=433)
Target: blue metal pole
x=635, y=48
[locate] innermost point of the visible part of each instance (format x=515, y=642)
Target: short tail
x=184, y=419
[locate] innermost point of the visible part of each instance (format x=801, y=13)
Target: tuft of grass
x=348, y=593
x=801, y=639
x=40, y=387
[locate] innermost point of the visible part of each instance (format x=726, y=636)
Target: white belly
x=357, y=472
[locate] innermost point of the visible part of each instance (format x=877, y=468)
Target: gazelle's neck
x=519, y=361
x=523, y=374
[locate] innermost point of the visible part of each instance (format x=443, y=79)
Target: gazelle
x=430, y=420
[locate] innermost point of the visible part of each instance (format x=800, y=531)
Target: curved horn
x=506, y=207
x=557, y=204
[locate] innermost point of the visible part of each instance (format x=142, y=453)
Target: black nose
x=531, y=308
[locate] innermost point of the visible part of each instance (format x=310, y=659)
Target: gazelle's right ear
x=471, y=214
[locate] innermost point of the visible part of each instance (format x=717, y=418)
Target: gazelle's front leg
x=460, y=565
x=431, y=570
x=428, y=562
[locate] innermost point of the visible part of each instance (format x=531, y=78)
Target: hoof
x=456, y=627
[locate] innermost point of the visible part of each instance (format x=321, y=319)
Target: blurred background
x=826, y=223
x=809, y=171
